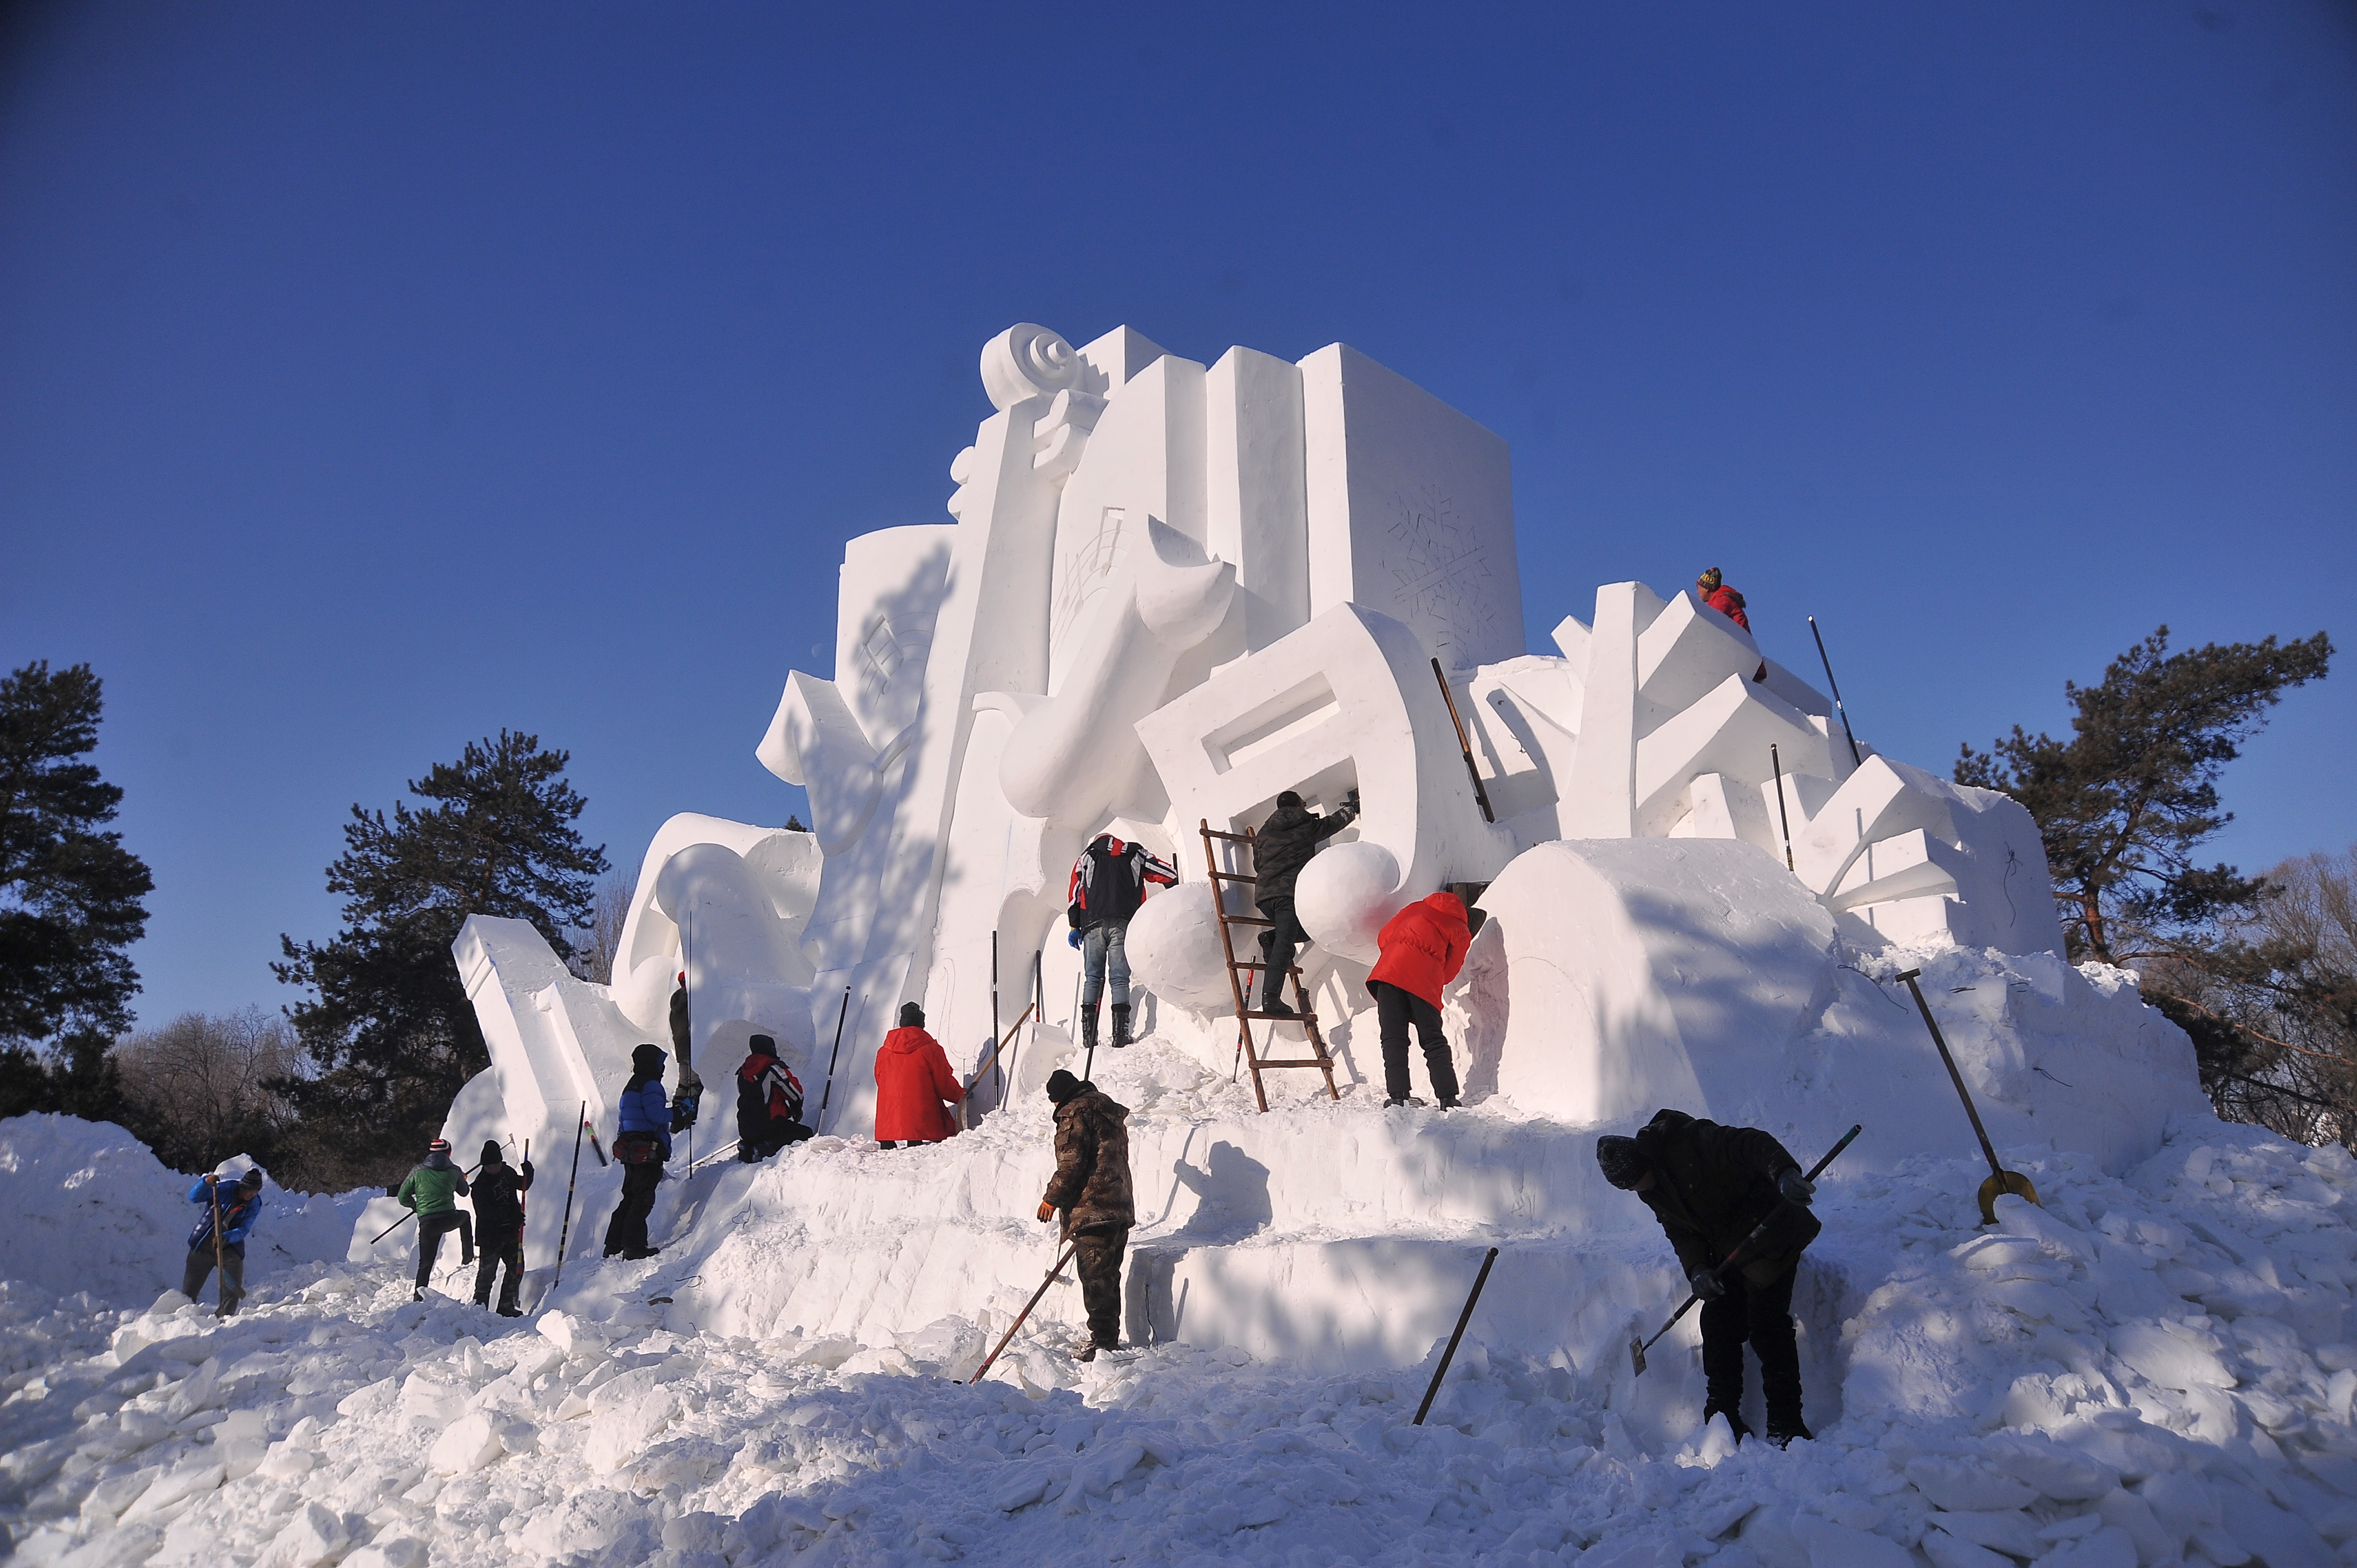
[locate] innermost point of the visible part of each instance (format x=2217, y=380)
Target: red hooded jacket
x=1422, y=947
x=1729, y=603
x=912, y=1080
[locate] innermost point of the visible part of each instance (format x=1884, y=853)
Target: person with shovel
x=433, y=1190
x=1092, y=1189
x=498, y=1215
x=234, y=1212
x=1711, y=1187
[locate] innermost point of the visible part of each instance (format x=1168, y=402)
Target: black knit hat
x=648, y=1059
x=912, y=1015
x=252, y=1176
x=1624, y=1163
x=762, y=1044
x=1063, y=1086
x=491, y=1152
x=1290, y=798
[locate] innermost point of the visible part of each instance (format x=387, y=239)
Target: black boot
x=1120, y=1024
x=1783, y=1430
x=1088, y=1028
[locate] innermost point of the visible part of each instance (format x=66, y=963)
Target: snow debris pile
x=2153, y=1368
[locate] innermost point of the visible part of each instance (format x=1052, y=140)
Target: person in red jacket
x=914, y=1086
x=1423, y=948
x=1712, y=589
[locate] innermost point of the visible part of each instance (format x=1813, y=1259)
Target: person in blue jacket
x=240, y=1205
x=643, y=1146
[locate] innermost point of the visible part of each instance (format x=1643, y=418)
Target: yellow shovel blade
x=1998, y=1186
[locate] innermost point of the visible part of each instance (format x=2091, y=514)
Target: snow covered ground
x=2155, y=1367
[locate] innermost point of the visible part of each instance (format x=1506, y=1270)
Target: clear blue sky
x=372, y=377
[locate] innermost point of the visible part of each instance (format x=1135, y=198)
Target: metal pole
x=565, y=1231
x=827, y=1092
x=1449, y=1355
x=1776, y=763
x=1856, y=760
x=221, y=1255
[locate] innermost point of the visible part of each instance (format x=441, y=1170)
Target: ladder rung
x=1286, y=1018
x=1247, y=920
x=1305, y=1061
x=1231, y=838
x=1231, y=877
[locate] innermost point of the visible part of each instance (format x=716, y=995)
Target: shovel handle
x=1939, y=1041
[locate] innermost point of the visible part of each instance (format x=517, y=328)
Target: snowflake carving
x=1439, y=565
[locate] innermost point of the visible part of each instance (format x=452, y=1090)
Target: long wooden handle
x=993, y=1056
x=1939, y=1041
x=1464, y=746
x=1449, y=1355
x=1061, y=1258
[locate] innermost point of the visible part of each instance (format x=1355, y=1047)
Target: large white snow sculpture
x=1170, y=592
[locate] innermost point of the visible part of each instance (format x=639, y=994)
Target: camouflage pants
x=1097, y=1255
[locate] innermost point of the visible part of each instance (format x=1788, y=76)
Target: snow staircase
x=1242, y=972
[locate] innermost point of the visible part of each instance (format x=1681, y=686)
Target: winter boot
x=1088, y=1028
x=1120, y=1024
x=1736, y=1425
x=1783, y=1430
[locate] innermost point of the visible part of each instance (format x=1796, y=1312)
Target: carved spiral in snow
x=1027, y=360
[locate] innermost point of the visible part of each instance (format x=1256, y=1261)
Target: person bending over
x=1422, y=947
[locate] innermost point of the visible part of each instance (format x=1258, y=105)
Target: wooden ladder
x=1242, y=972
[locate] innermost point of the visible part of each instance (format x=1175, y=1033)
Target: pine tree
x=2124, y=804
x=391, y=1029
x=69, y=894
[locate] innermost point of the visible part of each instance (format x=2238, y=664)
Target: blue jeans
x=1102, y=955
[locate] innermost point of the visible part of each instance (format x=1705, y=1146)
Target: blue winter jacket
x=238, y=1214
x=647, y=1108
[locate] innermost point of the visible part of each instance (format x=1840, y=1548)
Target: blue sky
x=375, y=377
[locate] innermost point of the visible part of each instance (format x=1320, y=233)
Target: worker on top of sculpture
x=1422, y=947
x=1108, y=884
x=644, y=1145
x=768, y=1103
x=1712, y=589
x=914, y=1085
x=1280, y=849
x=1710, y=1186
x=1092, y=1189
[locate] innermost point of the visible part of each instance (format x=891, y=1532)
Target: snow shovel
x=2001, y=1181
x=1637, y=1348
x=1061, y=1258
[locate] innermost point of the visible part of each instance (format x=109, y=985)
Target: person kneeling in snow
x=1422, y=947
x=1092, y=1187
x=238, y=1207
x=914, y=1085
x=642, y=1145
x=768, y=1103
x=433, y=1190
x=1710, y=1186
x=499, y=1209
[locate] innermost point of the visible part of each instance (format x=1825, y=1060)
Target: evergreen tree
x=2124, y=804
x=391, y=1027
x=70, y=893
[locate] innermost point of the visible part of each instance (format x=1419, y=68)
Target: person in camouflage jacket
x=1092, y=1189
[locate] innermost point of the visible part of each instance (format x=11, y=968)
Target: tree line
x=340, y=1087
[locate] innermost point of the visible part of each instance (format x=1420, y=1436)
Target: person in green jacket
x=433, y=1190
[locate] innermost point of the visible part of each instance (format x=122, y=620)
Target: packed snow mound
x=91, y=1209
x=2153, y=1368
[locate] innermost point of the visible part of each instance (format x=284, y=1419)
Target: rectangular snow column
x=1411, y=510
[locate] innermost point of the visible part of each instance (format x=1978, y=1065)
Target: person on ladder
x=1108, y=884
x=1422, y=947
x=1281, y=848
x=1709, y=1185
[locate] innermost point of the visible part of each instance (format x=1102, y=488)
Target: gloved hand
x=1795, y=1188
x=1047, y=1211
x=1708, y=1284
x=1351, y=799
x=527, y=1170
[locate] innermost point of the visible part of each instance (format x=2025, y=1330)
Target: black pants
x=1097, y=1255
x=760, y=1144
x=1395, y=1009
x=494, y=1253
x=1763, y=1314
x=1284, y=939
x=201, y=1268
x=431, y=1228
x=627, y=1231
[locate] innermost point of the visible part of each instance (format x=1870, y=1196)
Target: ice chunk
x=1832, y=1545
x=2107, y=1547
x=2172, y=1356
x=2061, y=1473
x=1956, y=1485
x=2279, y=1539
x=316, y=1534
x=466, y=1445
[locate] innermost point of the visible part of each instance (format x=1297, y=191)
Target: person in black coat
x=1280, y=849
x=499, y=1226
x=1710, y=1186
x=768, y=1103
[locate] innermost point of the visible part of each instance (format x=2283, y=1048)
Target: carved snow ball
x=1345, y=894
x=1174, y=949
